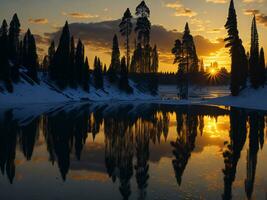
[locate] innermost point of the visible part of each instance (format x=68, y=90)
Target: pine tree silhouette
x=5, y=68
x=30, y=57
x=79, y=62
x=254, y=64
x=73, y=69
x=185, y=56
x=143, y=28
x=126, y=30
x=62, y=59
x=115, y=60
x=51, y=55
x=86, y=75
x=123, y=81
x=262, y=72
x=239, y=65
x=13, y=38
x=155, y=60
x=98, y=76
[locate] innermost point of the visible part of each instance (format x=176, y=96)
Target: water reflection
x=129, y=135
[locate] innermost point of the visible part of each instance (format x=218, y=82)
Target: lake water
x=125, y=151
x=196, y=93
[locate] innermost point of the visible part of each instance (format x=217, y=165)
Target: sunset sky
x=95, y=22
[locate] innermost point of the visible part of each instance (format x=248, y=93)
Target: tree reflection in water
x=128, y=134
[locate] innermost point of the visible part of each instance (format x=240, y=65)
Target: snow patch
x=249, y=98
x=46, y=93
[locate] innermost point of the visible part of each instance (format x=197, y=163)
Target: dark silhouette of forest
x=67, y=66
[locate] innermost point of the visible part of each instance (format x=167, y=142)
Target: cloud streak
x=78, y=15
x=38, y=21
x=260, y=17
x=217, y=1
x=180, y=10
x=253, y=1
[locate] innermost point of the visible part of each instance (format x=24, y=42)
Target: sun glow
x=213, y=72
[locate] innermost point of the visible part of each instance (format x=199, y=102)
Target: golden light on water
x=216, y=128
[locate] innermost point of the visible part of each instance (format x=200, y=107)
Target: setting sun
x=213, y=72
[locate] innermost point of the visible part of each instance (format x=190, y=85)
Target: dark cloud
x=261, y=18
x=99, y=36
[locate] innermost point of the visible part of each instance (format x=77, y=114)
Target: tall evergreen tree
x=133, y=64
x=62, y=59
x=97, y=73
x=13, y=37
x=30, y=57
x=73, y=68
x=126, y=27
x=20, y=57
x=143, y=24
x=187, y=60
x=237, y=52
x=123, y=81
x=79, y=61
x=254, y=68
x=137, y=64
x=86, y=75
x=5, y=71
x=115, y=60
x=155, y=60
x=51, y=55
x=14, y=32
x=190, y=50
x=105, y=69
x=262, y=68
x=45, y=64
x=143, y=27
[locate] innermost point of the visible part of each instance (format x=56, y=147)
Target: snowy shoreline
x=26, y=93
x=249, y=99
x=44, y=93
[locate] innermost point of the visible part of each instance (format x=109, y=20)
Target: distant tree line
x=200, y=79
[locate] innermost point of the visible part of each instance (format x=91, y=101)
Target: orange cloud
x=217, y=1
x=180, y=10
x=38, y=21
x=77, y=15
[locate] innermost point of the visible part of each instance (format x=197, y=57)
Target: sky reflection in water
x=136, y=152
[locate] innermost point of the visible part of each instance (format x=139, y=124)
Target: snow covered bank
x=249, y=98
x=27, y=93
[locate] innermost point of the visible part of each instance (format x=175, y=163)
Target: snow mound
x=28, y=92
x=249, y=98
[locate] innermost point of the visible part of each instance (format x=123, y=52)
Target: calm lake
x=132, y=151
